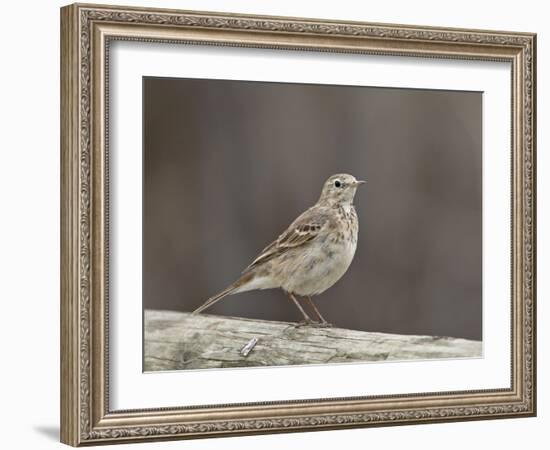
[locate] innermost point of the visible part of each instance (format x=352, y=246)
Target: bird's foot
x=312, y=323
x=323, y=324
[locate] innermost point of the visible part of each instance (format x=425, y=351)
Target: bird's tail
x=216, y=298
x=237, y=286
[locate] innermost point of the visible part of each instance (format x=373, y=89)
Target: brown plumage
x=311, y=254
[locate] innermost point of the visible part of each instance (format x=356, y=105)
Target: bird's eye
x=337, y=183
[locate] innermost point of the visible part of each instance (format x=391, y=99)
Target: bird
x=311, y=255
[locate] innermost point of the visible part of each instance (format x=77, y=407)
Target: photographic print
x=252, y=201
x=294, y=224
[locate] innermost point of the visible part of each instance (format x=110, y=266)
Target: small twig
x=248, y=347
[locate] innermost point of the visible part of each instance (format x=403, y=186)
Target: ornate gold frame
x=86, y=31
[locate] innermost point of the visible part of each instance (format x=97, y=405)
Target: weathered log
x=176, y=341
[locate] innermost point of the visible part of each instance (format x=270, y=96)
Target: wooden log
x=177, y=341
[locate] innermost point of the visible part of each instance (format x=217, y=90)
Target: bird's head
x=339, y=189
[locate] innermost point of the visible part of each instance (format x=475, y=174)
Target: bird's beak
x=359, y=182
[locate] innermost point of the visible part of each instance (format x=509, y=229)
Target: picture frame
x=87, y=416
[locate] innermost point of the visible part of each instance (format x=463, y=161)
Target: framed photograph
x=274, y=224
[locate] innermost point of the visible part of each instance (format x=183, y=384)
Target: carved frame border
x=86, y=31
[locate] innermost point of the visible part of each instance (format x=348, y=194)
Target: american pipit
x=311, y=255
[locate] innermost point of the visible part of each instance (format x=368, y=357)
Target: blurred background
x=228, y=165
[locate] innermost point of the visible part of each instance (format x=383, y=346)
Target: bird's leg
x=307, y=319
x=323, y=322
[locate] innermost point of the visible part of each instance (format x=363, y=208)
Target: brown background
x=229, y=164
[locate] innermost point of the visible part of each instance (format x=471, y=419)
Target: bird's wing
x=303, y=230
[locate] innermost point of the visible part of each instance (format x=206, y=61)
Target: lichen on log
x=180, y=341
